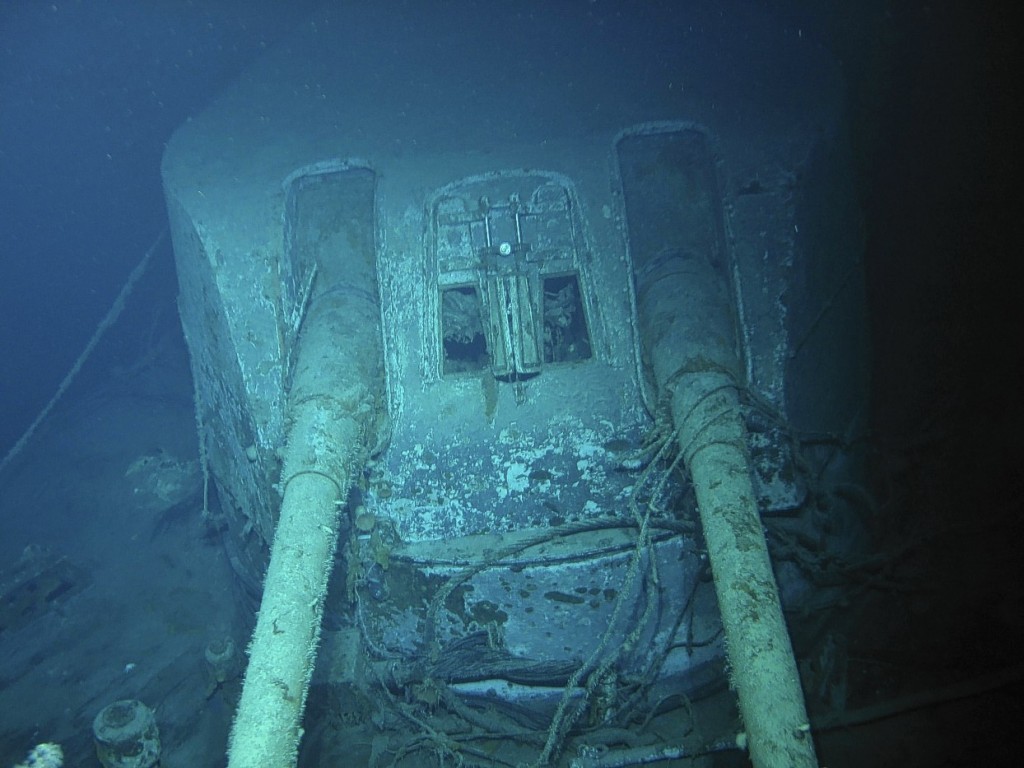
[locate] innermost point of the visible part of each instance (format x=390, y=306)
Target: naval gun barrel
x=335, y=417
x=687, y=327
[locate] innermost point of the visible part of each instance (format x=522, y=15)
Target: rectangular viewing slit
x=566, y=338
x=462, y=331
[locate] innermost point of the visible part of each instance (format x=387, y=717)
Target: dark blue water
x=89, y=94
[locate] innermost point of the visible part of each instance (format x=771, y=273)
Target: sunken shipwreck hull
x=517, y=524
